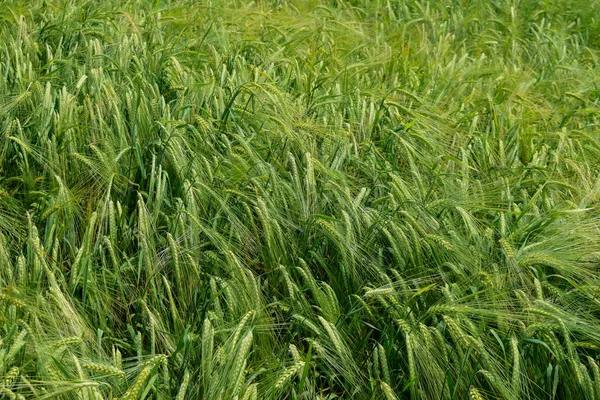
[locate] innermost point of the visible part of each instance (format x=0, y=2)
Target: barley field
x=337, y=199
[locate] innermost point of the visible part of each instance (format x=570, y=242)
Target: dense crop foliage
x=299, y=199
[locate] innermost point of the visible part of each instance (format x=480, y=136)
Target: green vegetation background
x=299, y=199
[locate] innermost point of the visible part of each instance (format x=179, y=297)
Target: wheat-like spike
x=440, y=241
x=538, y=289
x=288, y=282
x=329, y=302
x=567, y=339
x=516, y=372
x=554, y=310
x=363, y=305
x=41, y=258
x=576, y=366
x=238, y=369
x=215, y=295
x=80, y=373
x=89, y=233
x=333, y=335
x=119, y=210
x=384, y=364
x=203, y=124
x=483, y=353
x=111, y=252
x=447, y=293
x=240, y=326
x=220, y=355
x=383, y=299
x=587, y=381
x=172, y=305
x=103, y=369
x=474, y=393
x=379, y=292
x=294, y=352
x=471, y=326
x=319, y=348
x=507, y=248
x=118, y=358
x=176, y=265
x=394, y=245
x=294, y=167
x=153, y=326
x=12, y=300
x=387, y=391
x=375, y=363
x=456, y=331
x=22, y=270
x=310, y=178
x=449, y=309
x=139, y=344
x=540, y=259
x=288, y=373
x=586, y=345
x=135, y=390
x=65, y=342
x=556, y=292
x=165, y=371
x=184, y=384
x=441, y=344
x=307, y=323
x=112, y=222
x=555, y=345
x=75, y=267
x=154, y=361
x=538, y=311
x=595, y=373
x=29, y=330
x=18, y=343
x=207, y=349
x=307, y=276
x=251, y=392
x=412, y=373
x=523, y=297
x=349, y=227
x=496, y=383
x=10, y=376
x=404, y=326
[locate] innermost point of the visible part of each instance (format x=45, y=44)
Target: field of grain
x=337, y=199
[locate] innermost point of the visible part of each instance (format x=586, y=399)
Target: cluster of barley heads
x=299, y=199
